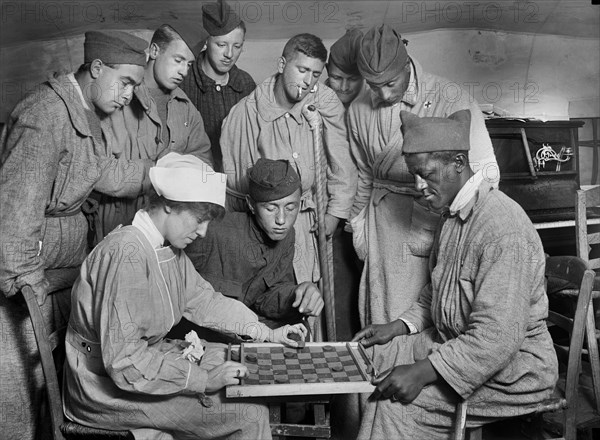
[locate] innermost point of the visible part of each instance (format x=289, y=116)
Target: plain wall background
x=537, y=59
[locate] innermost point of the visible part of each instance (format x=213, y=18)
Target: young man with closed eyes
x=249, y=255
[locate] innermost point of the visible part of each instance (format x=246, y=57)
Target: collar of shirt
x=71, y=78
x=224, y=82
x=144, y=223
x=142, y=94
x=269, y=109
x=63, y=87
x=466, y=198
x=412, y=91
x=258, y=233
x=205, y=82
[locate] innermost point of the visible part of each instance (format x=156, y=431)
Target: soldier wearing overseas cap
x=480, y=288
x=392, y=223
x=121, y=369
x=345, y=80
x=249, y=255
x=216, y=84
x=52, y=154
x=269, y=123
x=161, y=118
x=343, y=75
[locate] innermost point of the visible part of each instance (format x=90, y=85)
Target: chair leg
x=570, y=425
x=595, y=153
x=275, y=416
x=537, y=423
x=460, y=420
x=592, y=344
x=320, y=413
x=475, y=433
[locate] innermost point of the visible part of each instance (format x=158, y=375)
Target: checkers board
x=318, y=368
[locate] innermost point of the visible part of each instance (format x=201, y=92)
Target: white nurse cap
x=185, y=178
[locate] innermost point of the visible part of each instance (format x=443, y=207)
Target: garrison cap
x=272, y=180
x=343, y=52
x=381, y=55
x=114, y=47
x=192, y=34
x=219, y=18
x=428, y=135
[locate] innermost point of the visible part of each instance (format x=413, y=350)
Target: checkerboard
x=318, y=368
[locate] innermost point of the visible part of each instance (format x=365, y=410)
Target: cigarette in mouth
x=299, y=92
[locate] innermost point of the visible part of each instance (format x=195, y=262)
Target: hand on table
x=227, y=373
x=380, y=333
x=308, y=299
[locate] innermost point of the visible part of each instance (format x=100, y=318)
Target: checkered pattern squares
x=307, y=365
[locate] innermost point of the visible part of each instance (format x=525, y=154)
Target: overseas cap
x=272, y=180
x=382, y=55
x=192, y=34
x=114, y=47
x=219, y=19
x=428, y=135
x=344, y=52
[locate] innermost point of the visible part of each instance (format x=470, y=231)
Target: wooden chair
x=568, y=394
x=587, y=233
x=593, y=143
x=47, y=343
x=63, y=429
x=587, y=210
x=319, y=429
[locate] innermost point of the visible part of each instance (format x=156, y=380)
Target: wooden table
x=310, y=384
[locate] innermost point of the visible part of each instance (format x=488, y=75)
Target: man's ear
x=96, y=68
x=460, y=162
x=250, y=203
x=153, y=51
x=281, y=64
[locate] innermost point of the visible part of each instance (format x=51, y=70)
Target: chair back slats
x=577, y=337
x=585, y=201
x=575, y=271
x=594, y=356
x=592, y=196
x=581, y=242
x=60, y=279
x=560, y=320
x=45, y=349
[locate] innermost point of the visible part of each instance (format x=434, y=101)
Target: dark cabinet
x=539, y=165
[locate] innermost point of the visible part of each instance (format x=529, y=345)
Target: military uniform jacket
x=140, y=133
x=240, y=261
x=49, y=165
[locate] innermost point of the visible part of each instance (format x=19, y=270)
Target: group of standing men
x=69, y=149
